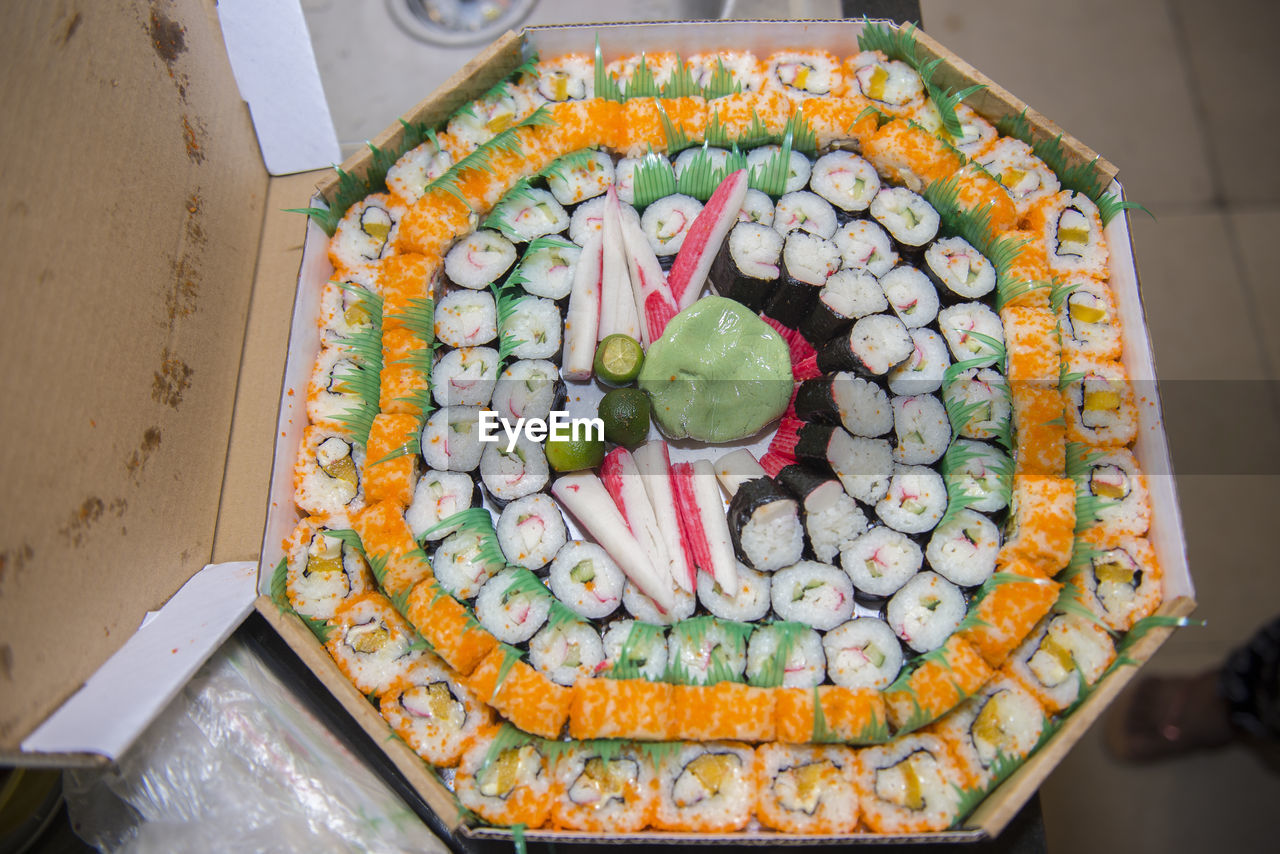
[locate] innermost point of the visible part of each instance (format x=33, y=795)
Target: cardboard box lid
x=131, y=221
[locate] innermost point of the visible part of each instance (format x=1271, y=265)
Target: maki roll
x=327, y=475
x=981, y=397
x=635, y=647
x=862, y=465
x=816, y=594
x=533, y=328
x=958, y=269
x=788, y=655
x=479, y=259
x=804, y=211
x=963, y=550
x=548, y=267
x=912, y=296
x=921, y=428
x=764, y=524
x=465, y=377
x=1087, y=321
x=434, y=712
x=450, y=439
x=881, y=561
x=846, y=180
x=464, y=561
x=1100, y=407
x=832, y=518
x=981, y=473
x=889, y=84
x=603, y=793
x=513, y=616
x=847, y=296
x=908, y=785
x=924, y=371
x=871, y=348
x=505, y=785
x=747, y=266
x=1115, y=479
x=667, y=221
x=417, y=168
x=371, y=643
x=531, y=531
x=801, y=73
x=707, y=787
x=566, y=652
x=1120, y=580
x=1003, y=722
x=910, y=220
x=1025, y=177
x=530, y=214
x=746, y=603
x=437, y=496
x=529, y=388
x=1063, y=653
x=864, y=245
x=859, y=405
x=367, y=232
x=585, y=578
x=798, y=168
x=958, y=323
x=508, y=475
x=807, y=262
x=466, y=318
x=806, y=788
x=925, y=611
x=756, y=208
x=862, y=653
x=916, y=500
x=323, y=571
x=579, y=182
x=704, y=651
x=332, y=391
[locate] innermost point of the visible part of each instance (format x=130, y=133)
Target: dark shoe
x=1165, y=716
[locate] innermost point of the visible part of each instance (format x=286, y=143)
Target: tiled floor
x=1178, y=94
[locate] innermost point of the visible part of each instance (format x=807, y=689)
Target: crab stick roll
x=963, y=549
x=450, y=439
x=804, y=211
x=908, y=786
x=566, y=652
x=757, y=208
x=326, y=475
x=862, y=653
x=1062, y=654
x=438, y=496
x=586, y=579
x=816, y=594
x=466, y=318
x=958, y=323
x=465, y=377
x=786, y=654
x=632, y=647
x=522, y=695
x=765, y=526
x=916, y=500
x=748, y=264
x=576, y=183
x=921, y=429
x=604, y=793
x=924, y=371
x=333, y=390
x=667, y=221
x=880, y=561
x=982, y=396
x=548, y=267
x=371, y=642
x=1005, y=612
x=1025, y=177
x=704, y=651
x=511, y=474
x=925, y=611
x=531, y=214
x=448, y=626
x=806, y=789
x=479, y=259
x=1001, y=724
x=981, y=473
x=747, y=602
x=891, y=85
x=845, y=180
x=958, y=269
x=416, y=168
x=870, y=349
x=937, y=685
x=859, y=405
x=807, y=262
x=1100, y=407
x=847, y=296
x=465, y=560
x=531, y=531
x=865, y=245
x=1114, y=479
x=367, y=232
x=434, y=712
x=505, y=786
x=322, y=571
x=1120, y=579
x=513, y=616
x=706, y=788
x=832, y=518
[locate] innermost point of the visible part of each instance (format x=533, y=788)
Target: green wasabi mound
x=718, y=373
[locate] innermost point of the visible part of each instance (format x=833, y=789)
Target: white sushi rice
x=748, y=603
x=864, y=245
x=846, y=180
x=805, y=664
x=566, y=652
x=816, y=594
x=926, y=611
x=585, y=578
x=881, y=561
x=531, y=531
x=964, y=549
x=512, y=618
x=862, y=653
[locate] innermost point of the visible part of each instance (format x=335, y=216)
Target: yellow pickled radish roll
x=1119, y=503
x=1088, y=321
x=1101, y=408
x=940, y=681
x=909, y=155
x=991, y=731
x=1117, y=577
x=367, y=232
x=333, y=390
x=1070, y=227
x=416, y=169
x=837, y=121
x=1031, y=342
x=389, y=543
x=391, y=459
x=1038, y=424
x=372, y=644
x=1061, y=655
x=976, y=133
x=661, y=65
x=571, y=77
x=1024, y=176
x=323, y=571
x=343, y=312
x=486, y=117
x=806, y=788
x=603, y=789
x=505, y=779
x=707, y=787
x=1005, y=609
x=890, y=85
x=1042, y=522
x=434, y=712
x=908, y=785
x=743, y=67
x=801, y=74
x=326, y=475
x=405, y=380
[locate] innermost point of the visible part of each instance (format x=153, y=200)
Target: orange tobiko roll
x=407, y=282
x=1006, y=609
x=1031, y=341
x=725, y=710
x=449, y=627
x=1043, y=522
x=836, y=119
x=434, y=222
x=806, y=788
x=976, y=191
x=908, y=154
x=583, y=124
x=506, y=779
x=621, y=708
x=849, y=715
x=390, y=466
x=522, y=695
x=603, y=790
x=946, y=678
x=390, y=546
x=405, y=380
x=1041, y=447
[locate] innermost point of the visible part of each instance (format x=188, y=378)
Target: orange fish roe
x=1029, y=266
x=688, y=114
x=581, y=124
x=525, y=697
x=621, y=708
x=908, y=154
x=513, y=787
x=406, y=281
x=723, y=711
x=806, y=789
x=601, y=791
x=836, y=119
x=448, y=627
x=853, y=716
x=434, y=222
x=977, y=191
x=1006, y=611
x=938, y=685
x=400, y=377
x=1038, y=424
x=1044, y=522
x=390, y=479
x=1115, y=556
x=456, y=147
x=1031, y=341
x=388, y=541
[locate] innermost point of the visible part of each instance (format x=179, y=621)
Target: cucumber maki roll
x=746, y=268
x=466, y=318
x=958, y=323
x=910, y=220
x=512, y=616
x=788, y=656
x=864, y=245
x=926, y=611
x=703, y=651
x=529, y=388
x=816, y=594
x=508, y=475
x=667, y=221
x=571, y=185
x=846, y=180
x=531, y=531
x=464, y=561
x=746, y=604
x=465, y=377
x=764, y=524
x=916, y=501
x=530, y=215
x=585, y=578
x=963, y=550
x=437, y=496
x=804, y=211
x=982, y=473
x=757, y=208
x=958, y=269
x=534, y=327
x=982, y=394
x=547, y=268
x=862, y=653
x=479, y=259
x=881, y=561
x=921, y=428
x=912, y=296
x=566, y=652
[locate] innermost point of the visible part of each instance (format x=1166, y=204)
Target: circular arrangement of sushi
x=886, y=529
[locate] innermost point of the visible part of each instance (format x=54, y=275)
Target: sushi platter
x=897, y=523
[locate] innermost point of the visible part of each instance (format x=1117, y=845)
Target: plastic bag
x=236, y=764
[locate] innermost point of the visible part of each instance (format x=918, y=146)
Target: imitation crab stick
x=621, y=477
x=702, y=244
x=705, y=525
x=587, y=499
x=617, y=303
x=654, y=462
x=583, y=318
x=653, y=297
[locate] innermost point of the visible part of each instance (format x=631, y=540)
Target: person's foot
x=1160, y=717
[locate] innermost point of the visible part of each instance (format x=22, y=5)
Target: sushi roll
x=528, y=215
x=910, y=220
x=864, y=245
x=977, y=135
x=798, y=167
x=343, y=312
x=981, y=397
x=806, y=788
x=1114, y=478
x=513, y=616
x=746, y=603
x=756, y=208
x=548, y=266
x=333, y=389
x=718, y=158
x=862, y=653
x=788, y=655
x=924, y=371
x=613, y=792
x=908, y=785
x=1025, y=177
x=859, y=405
x=327, y=475
x=911, y=295
x=464, y=561
x=505, y=784
x=437, y=496
x=466, y=318
x=434, y=712
x=637, y=647
x=706, y=787
x=921, y=429
x=871, y=348
x=1101, y=410
x=846, y=180
x=1120, y=580
x=531, y=531
x=508, y=475
x=323, y=571
x=371, y=643
x=528, y=389
x=925, y=611
x=450, y=439
x=982, y=474
x=862, y=465
x=963, y=550
x=816, y=594
x=416, y=168
x=1003, y=723
x=1062, y=654
x=746, y=267
x=585, y=578
x=704, y=651
x=566, y=652
x=832, y=518
x=742, y=67
x=890, y=84
x=1087, y=320
x=916, y=500
x=807, y=262
x=479, y=259
x=645, y=610
x=667, y=221
x=764, y=523
x=533, y=328
x=958, y=323
x=465, y=377
x=802, y=73
x=367, y=232
x=959, y=270
x=881, y=561
x=579, y=182
x=804, y=211
x=1001, y=615
x=566, y=78
x=847, y=296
